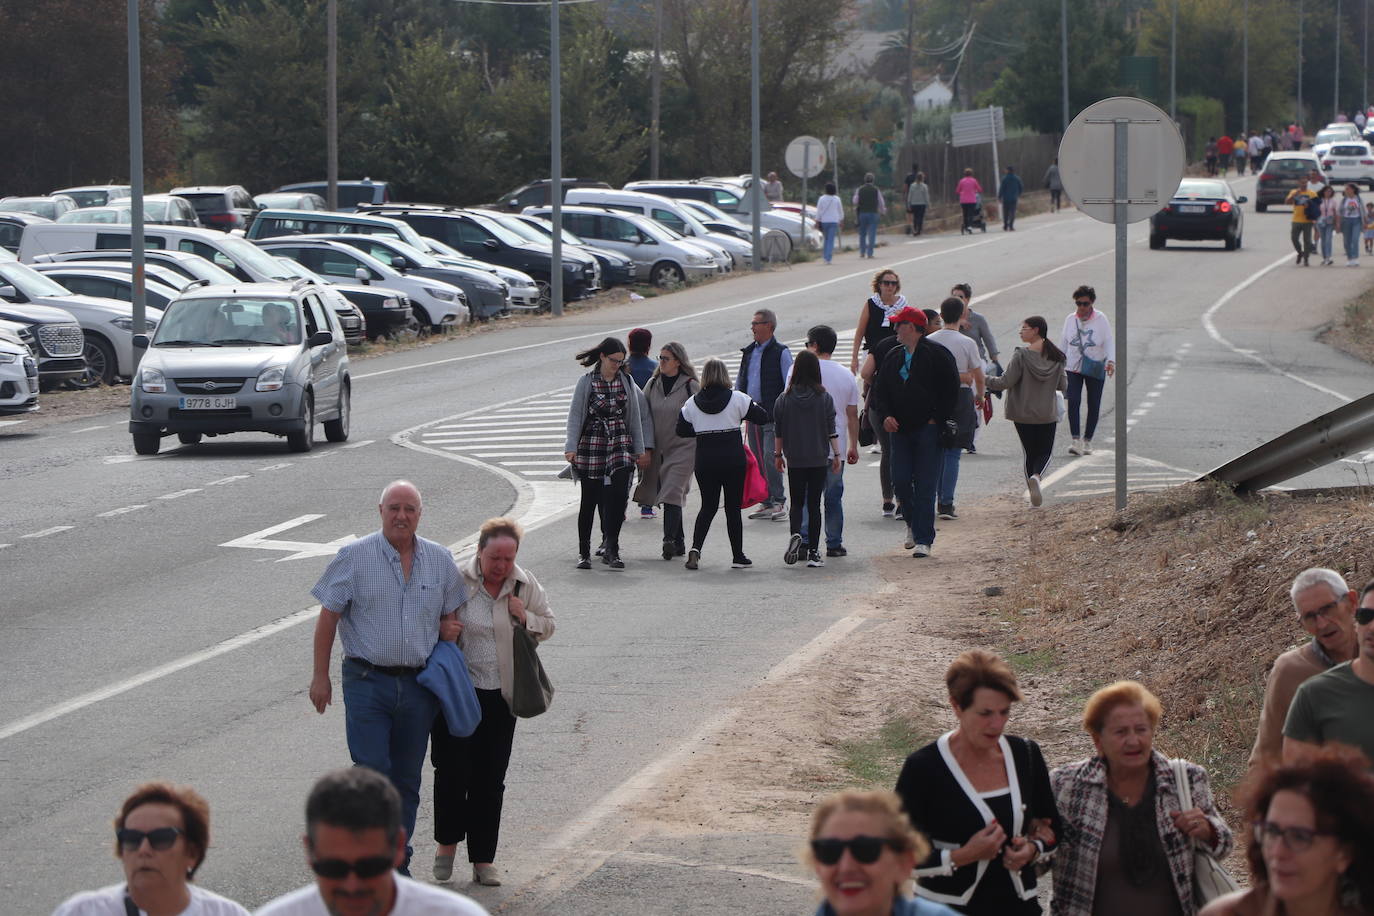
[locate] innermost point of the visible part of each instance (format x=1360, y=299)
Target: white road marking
x=299, y=550
x=230, y=479
x=10, y=423
x=537, y=464
x=55, y=529
x=277, y=467
x=358, y=444
x=121, y=511
x=180, y=493
x=3, y=546
x=125, y=459
x=88, y=429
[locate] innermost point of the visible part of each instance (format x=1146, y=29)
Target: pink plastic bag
x=755, y=487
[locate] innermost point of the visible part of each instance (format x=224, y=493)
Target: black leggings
x=611, y=499
x=1037, y=440
x=969, y=210
x=884, y=440
x=806, y=486
x=713, y=482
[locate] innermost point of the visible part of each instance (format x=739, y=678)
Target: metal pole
x=555, y=163
x=992, y=132
x=1120, y=195
x=1336, y=89
x=755, y=119
x=1298, y=119
x=1245, y=66
x=1364, y=62
x=656, y=85
x=1173, y=63
x=835, y=165
x=806, y=170
x=1064, y=58
x=331, y=142
x=136, y=173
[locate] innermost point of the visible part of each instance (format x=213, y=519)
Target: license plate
x=1347, y=162
x=1192, y=208
x=209, y=403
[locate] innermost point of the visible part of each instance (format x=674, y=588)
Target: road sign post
x=805, y=158
x=1138, y=179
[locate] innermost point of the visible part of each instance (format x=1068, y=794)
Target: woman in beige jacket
x=470, y=773
x=1034, y=375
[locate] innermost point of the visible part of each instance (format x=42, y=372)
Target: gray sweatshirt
x=804, y=420
x=1030, y=382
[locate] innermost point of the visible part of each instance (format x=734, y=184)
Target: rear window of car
x=89, y=198
x=1289, y=166
x=1201, y=189
x=1349, y=151
x=207, y=203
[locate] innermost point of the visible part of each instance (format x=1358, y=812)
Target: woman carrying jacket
x=713, y=417
x=605, y=441
x=667, y=479
x=470, y=773
x=1033, y=375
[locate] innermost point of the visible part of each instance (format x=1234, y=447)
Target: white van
x=239, y=256
x=730, y=251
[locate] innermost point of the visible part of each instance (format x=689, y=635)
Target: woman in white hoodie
x=1090, y=352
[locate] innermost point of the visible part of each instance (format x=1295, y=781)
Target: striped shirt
x=386, y=619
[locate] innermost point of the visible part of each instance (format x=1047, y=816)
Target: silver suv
x=261, y=357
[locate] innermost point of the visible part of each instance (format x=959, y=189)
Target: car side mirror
x=141, y=341
x=320, y=339
x=1242, y=200
x=362, y=275
x=399, y=263
x=491, y=243
x=8, y=292
x=645, y=240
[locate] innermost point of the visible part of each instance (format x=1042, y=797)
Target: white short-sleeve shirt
x=412, y=899
x=109, y=901
x=965, y=350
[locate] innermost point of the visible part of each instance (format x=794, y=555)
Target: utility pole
x=140, y=302
x=555, y=163
x=331, y=142
x=755, y=128
x=1336, y=90
x=656, y=83
x=1064, y=58
x=1298, y=118
x=908, y=154
x=1173, y=63
x=1245, y=66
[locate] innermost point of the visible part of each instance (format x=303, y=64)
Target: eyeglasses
x=1364, y=615
x=664, y=359
x=1309, y=619
x=616, y=360
x=160, y=839
x=888, y=283
x=1297, y=839
x=864, y=849
x=1081, y=303
x=753, y=324
x=338, y=869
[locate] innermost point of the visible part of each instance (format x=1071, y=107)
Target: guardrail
x=1347, y=430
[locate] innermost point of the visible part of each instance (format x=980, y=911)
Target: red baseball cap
x=908, y=314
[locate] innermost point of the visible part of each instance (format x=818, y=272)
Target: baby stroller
x=978, y=220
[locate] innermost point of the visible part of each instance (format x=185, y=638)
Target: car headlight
x=271, y=379
x=127, y=324
x=440, y=294
x=152, y=380
x=393, y=303
x=8, y=357
x=695, y=259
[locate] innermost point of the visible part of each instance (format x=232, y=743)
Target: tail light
x=219, y=218
x=1224, y=207
x=1367, y=162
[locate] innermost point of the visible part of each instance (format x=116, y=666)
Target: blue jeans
x=868, y=233
x=1351, y=230
x=832, y=516
x=949, y=474
x=387, y=720
x=831, y=230
x=915, y=474
x=1325, y=231
x=762, y=442
x=1077, y=381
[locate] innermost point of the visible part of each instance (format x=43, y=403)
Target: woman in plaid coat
x=1126, y=847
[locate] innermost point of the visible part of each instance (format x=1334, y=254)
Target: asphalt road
x=155, y=612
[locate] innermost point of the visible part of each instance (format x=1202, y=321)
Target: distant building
x=934, y=94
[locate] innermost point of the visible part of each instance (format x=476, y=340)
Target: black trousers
x=1037, y=441
x=968, y=214
x=610, y=499
x=918, y=218
x=884, y=439
x=715, y=482
x=470, y=778
x=672, y=523
x=806, y=486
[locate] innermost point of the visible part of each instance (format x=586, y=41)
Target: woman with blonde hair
x=667, y=479
x=862, y=849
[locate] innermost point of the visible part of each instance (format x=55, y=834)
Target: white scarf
x=888, y=310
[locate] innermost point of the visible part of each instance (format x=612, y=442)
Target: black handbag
x=531, y=689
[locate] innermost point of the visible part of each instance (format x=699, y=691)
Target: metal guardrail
x=1344, y=431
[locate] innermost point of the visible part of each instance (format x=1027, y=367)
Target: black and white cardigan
x=943, y=805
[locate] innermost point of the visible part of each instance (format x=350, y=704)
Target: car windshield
x=522, y=229
x=1195, y=188
x=1331, y=136
x=229, y=322
x=207, y=203
x=423, y=258
x=29, y=282
x=38, y=206
x=89, y=198
x=251, y=256
x=545, y=230
x=707, y=211
x=498, y=230
x=103, y=215
x=657, y=231
x=1290, y=166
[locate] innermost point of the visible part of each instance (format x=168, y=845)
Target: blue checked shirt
x=386, y=620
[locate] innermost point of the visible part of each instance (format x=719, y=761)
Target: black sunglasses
x=1082, y=302
x=1364, y=615
x=160, y=839
x=889, y=283
x=864, y=849
x=338, y=869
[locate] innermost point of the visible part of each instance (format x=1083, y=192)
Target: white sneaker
x=909, y=543
x=922, y=550
x=1087, y=447
x=1033, y=485
x=1076, y=448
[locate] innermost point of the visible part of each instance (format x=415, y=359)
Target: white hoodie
x=1096, y=339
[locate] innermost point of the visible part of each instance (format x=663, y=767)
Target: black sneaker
x=836, y=552
x=668, y=550
x=741, y=563
x=613, y=560
x=889, y=510
x=947, y=512
x=794, y=549
x=813, y=559
x=693, y=556
x=584, y=563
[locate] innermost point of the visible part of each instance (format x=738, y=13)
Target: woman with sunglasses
x=605, y=442
x=1127, y=845
x=982, y=797
x=668, y=478
x=875, y=315
x=161, y=834
x=1312, y=845
x=862, y=849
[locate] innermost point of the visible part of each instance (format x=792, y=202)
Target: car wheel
x=1260, y=208
x=337, y=430
x=100, y=365
x=189, y=438
x=146, y=443
x=666, y=273
x=304, y=440
x=419, y=321
x=1156, y=241
x=545, y=295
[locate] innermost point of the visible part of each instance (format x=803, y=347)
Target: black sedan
x=1201, y=209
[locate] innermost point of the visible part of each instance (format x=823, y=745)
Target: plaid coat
x=1080, y=791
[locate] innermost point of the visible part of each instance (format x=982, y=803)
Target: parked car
x=661, y=256
x=350, y=317
x=97, y=216
x=236, y=255
x=55, y=339
x=12, y=223
x=222, y=207
x=1283, y=172
x=616, y=269
x=151, y=270
x=386, y=312
x=290, y=200
x=475, y=233
x=96, y=195
x=351, y=193
x=1350, y=161
x=536, y=193
x=1332, y=134
x=86, y=279
x=46, y=207
x=734, y=200
x=522, y=288
x=262, y=357
x=106, y=324
x=188, y=265
x=731, y=251
x=435, y=304
x=1201, y=208
x=18, y=371
x=278, y=223
x=164, y=209
x=514, y=222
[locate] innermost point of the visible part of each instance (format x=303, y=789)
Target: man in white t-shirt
x=843, y=389
x=970, y=366
x=354, y=841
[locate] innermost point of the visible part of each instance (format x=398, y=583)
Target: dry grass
x=1354, y=333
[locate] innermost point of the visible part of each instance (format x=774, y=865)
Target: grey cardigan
x=1030, y=382
x=635, y=415
x=979, y=332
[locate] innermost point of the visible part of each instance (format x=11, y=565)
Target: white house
x=934, y=94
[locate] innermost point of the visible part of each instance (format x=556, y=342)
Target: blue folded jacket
x=446, y=676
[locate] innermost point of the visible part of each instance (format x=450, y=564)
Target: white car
x=524, y=292
x=18, y=371
x=1349, y=160
x=732, y=252
x=1335, y=133
x=661, y=256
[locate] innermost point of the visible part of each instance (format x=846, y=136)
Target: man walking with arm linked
x=763, y=368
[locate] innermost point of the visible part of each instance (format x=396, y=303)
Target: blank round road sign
x=805, y=153
x=1154, y=159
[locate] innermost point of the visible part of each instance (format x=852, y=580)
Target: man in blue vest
x=763, y=367
x=868, y=204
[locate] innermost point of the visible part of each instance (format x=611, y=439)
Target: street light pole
x=140, y=302
x=1298, y=120
x=1173, y=63
x=1336, y=90
x=656, y=82
x=1064, y=59
x=331, y=143
x=1245, y=67
x=555, y=163
x=755, y=121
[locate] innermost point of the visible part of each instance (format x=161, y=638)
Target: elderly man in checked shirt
x=391, y=596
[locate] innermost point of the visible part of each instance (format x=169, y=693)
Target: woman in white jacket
x=1090, y=349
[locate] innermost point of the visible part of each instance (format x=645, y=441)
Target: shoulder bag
x=531, y=689
x=1093, y=368
x=1210, y=879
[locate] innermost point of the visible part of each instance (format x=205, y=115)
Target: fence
x=944, y=165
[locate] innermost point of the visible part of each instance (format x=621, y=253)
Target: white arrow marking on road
x=55, y=529
x=262, y=540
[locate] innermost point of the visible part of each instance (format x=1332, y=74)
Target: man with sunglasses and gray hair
x=1337, y=706
x=353, y=843
x=1326, y=611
